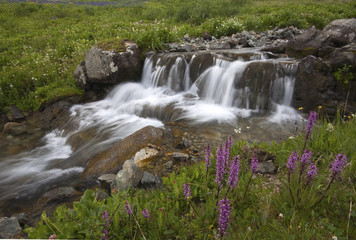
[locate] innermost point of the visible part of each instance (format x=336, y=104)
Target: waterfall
x=217, y=87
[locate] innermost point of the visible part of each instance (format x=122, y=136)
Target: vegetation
x=312, y=196
x=41, y=44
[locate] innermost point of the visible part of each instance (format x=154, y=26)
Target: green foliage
x=344, y=74
x=266, y=211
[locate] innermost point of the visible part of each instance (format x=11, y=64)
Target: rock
x=14, y=128
x=109, y=67
x=16, y=113
x=343, y=56
x=219, y=45
x=267, y=167
x=58, y=195
x=107, y=181
x=243, y=42
x=145, y=156
x=111, y=160
x=338, y=33
x=180, y=157
x=207, y=36
x=261, y=154
x=129, y=176
x=150, y=180
x=169, y=165
x=10, y=228
x=186, y=37
x=278, y=49
x=288, y=35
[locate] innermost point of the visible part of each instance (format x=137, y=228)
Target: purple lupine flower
x=224, y=215
x=305, y=158
x=310, y=124
x=106, y=234
x=187, y=191
x=220, y=165
x=338, y=164
x=106, y=218
x=208, y=156
x=292, y=161
x=254, y=164
x=312, y=171
x=145, y=213
x=128, y=209
x=234, y=171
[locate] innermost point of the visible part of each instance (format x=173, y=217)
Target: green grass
x=266, y=211
x=41, y=44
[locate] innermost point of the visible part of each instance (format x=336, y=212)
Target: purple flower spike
x=254, y=164
x=127, y=209
x=338, y=164
x=312, y=171
x=224, y=215
x=305, y=159
x=145, y=213
x=293, y=158
x=310, y=125
x=208, y=156
x=187, y=191
x=105, y=217
x=220, y=165
x=234, y=172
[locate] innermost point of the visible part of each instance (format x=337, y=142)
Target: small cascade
x=210, y=88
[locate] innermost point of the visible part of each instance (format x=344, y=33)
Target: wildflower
x=338, y=164
x=187, y=191
x=291, y=137
x=293, y=158
x=280, y=215
x=106, y=218
x=220, y=165
x=312, y=171
x=334, y=238
x=234, y=172
x=300, y=109
x=53, y=236
x=127, y=209
x=248, y=127
x=207, y=156
x=320, y=107
x=106, y=234
x=305, y=159
x=114, y=191
x=237, y=130
x=254, y=164
x=224, y=215
x=330, y=127
x=145, y=213
x=310, y=125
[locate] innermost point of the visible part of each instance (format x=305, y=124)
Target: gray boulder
x=10, y=228
x=129, y=176
x=106, y=67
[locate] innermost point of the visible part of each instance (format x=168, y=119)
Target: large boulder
x=109, y=66
x=10, y=228
x=112, y=159
x=129, y=176
x=338, y=33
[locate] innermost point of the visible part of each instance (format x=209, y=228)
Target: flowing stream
x=222, y=90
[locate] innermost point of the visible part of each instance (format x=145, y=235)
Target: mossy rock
x=116, y=45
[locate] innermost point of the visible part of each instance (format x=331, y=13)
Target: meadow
x=41, y=44
x=311, y=197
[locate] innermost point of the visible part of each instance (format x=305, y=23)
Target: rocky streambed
x=144, y=130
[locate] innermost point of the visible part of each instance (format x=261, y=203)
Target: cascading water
x=227, y=87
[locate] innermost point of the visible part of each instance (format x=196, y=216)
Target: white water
x=164, y=94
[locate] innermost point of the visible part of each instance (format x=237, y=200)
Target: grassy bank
x=203, y=202
x=41, y=44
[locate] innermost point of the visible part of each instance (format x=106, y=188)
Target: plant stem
x=290, y=190
x=348, y=221
x=248, y=184
x=322, y=197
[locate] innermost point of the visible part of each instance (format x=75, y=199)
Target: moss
x=308, y=51
x=117, y=45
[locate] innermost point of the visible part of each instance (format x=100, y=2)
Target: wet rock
x=109, y=67
x=207, y=36
x=243, y=42
x=10, y=228
x=143, y=157
x=22, y=218
x=58, y=195
x=111, y=160
x=16, y=113
x=129, y=176
x=14, y=128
